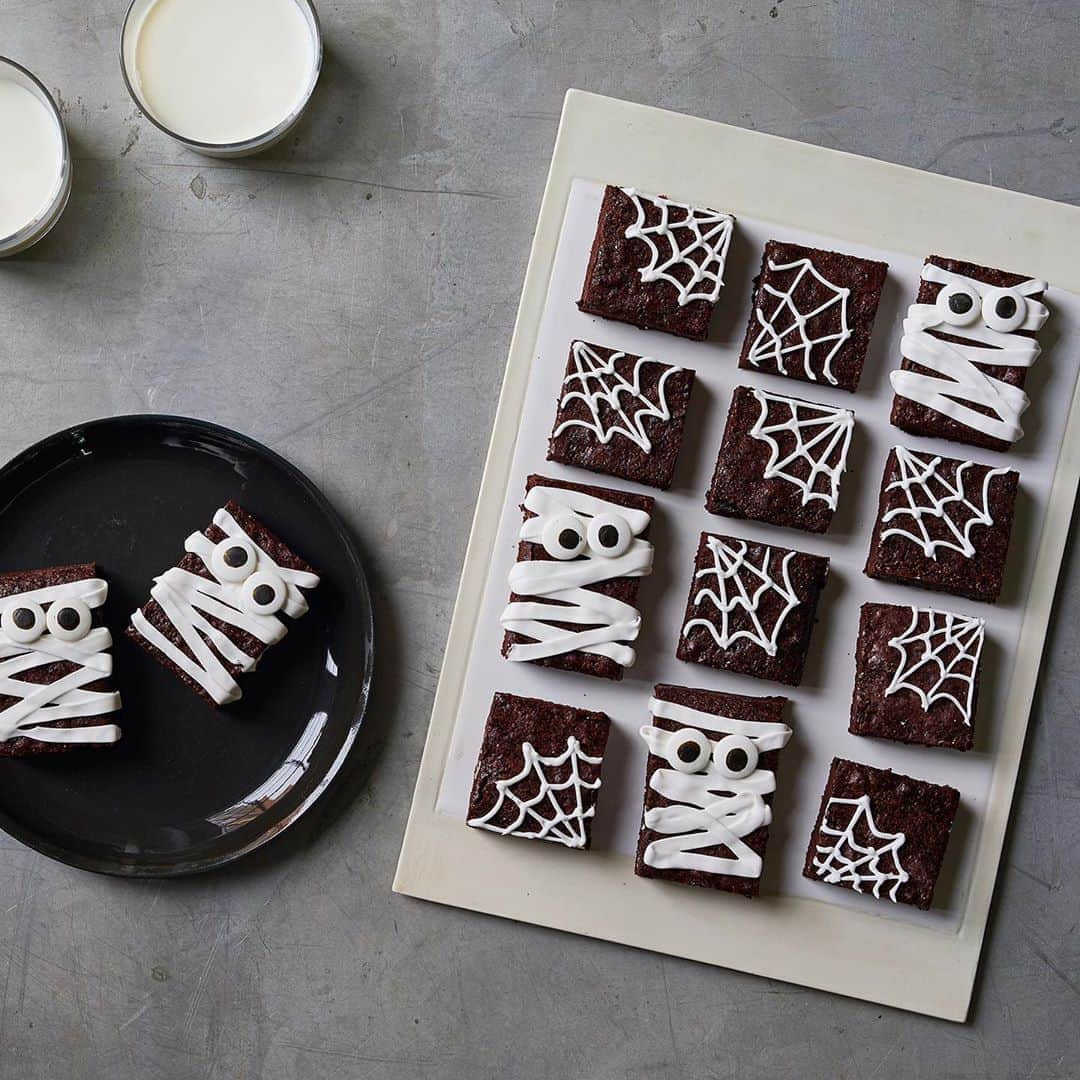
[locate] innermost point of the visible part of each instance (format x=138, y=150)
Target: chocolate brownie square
x=621, y=414
x=943, y=524
x=917, y=675
x=709, y=782
x=57, y=689
x=655, y=263
x=969, y=340
x=211, y=617
x=781, y=460
x=881, y=833
x=538, y=773
x=751, y=608
x=813, y=314
x=581, y=553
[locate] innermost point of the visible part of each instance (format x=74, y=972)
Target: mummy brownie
x=581, y=554
x=55, y=666
x=211, y=617
x=656, y=264
x=969, y=340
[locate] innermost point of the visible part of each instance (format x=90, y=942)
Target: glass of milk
x=223, y=77
x=35, y=161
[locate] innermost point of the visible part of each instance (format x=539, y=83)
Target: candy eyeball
x=688, y=750
x=23, y=621
x=69, y=620
x=735, y=756
x=1004, y=310
x=233, y=559
x=263, y=594
x=958, y=304
x=609, y=536
x=565, y=536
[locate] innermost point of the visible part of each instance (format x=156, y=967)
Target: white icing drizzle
x=187, y=599
x=544, y=811
x=932, y=497
x=958, y=384
x=708, y=232
x=67, y=698
x=741, y=585
x=820, y=436
x=847, y=862
x=559, y=586
x=784, y=332
x=714, y=805
x=947, y=650
x=618, y=395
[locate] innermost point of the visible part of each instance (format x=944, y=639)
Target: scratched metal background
x=349, y=301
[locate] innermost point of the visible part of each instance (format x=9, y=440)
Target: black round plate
x=188, y=787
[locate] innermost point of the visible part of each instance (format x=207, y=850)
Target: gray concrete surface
x=348, y=299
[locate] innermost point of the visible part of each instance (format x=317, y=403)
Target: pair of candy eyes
x=735, y=756
x=566, y=536
x=26, y=621
x=1004, y=310
x=235, y=561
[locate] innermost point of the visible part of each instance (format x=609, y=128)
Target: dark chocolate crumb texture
x=212, y=616
x=751, y=608
x=881, y=833
x=55, y=666
x=538, y=772
x=969, y=340
x=813, y=314
x=656, y=264
x=709, y=783
x=781, y=460
x=581, y=553
x=943, y=524
x=621, y=414
x=917, y=675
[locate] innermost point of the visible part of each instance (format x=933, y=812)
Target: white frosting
x=818, y=437
x=187, y=599
x=940, y=661
x=784, y=332
x=559, y=586
x=597, y=382
x=714, y=806
x=846, y=861
x=957, y=384
x=931, y=497
x=735, y=584
x=705, y=234
x=67, y=698
x=545, y=815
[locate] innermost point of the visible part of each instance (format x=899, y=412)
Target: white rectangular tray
x=802, y=932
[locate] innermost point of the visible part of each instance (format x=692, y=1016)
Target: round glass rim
x=42, y=223
x=256, y=142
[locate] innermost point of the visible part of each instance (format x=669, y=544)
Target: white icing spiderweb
x=847, y=861
x=617, y=405
x=808, y=444
x=932, y=497
x=545, y=812
x=788, y=333
x=688, y=249
x=939, y=658
x=736, y=584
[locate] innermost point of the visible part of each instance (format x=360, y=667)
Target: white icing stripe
x=39, y=705
x=708, y=235
x=188, y=600
x=558, y=589
x=820, y=436
x=616, y=394
x=847, y=861
x=957, y=388
x=713, y=805
x=784, y=333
